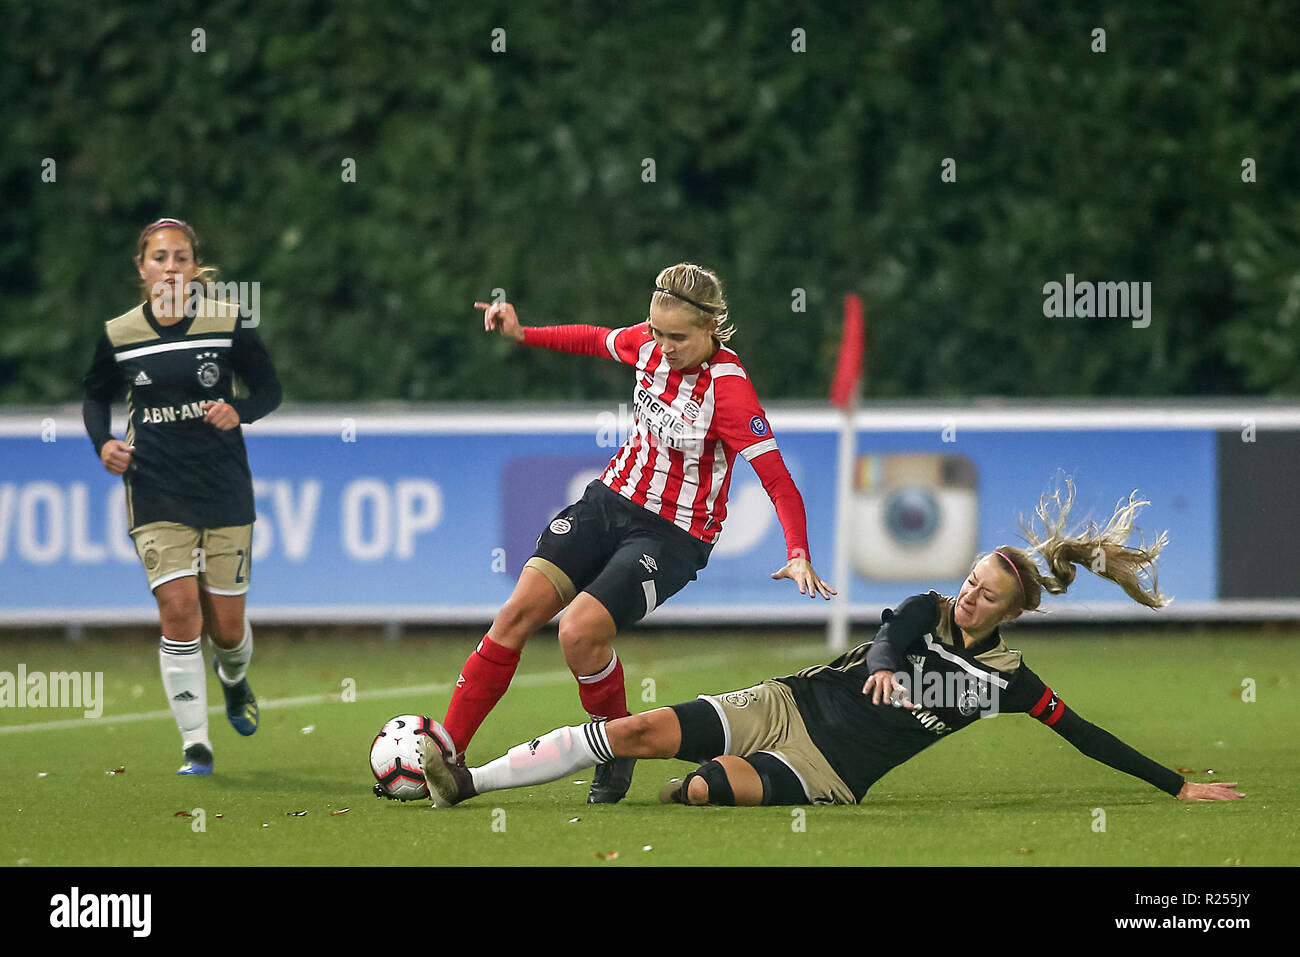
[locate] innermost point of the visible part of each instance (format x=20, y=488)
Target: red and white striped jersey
x=687, y=429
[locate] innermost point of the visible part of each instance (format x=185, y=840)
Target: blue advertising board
x=431, y=517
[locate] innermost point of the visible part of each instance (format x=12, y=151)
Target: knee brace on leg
x=715, y=776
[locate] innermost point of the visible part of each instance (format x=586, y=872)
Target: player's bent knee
x=516, y=622
x=697, y=792
x=636, y=736
x=179, y=611
x=585, y=650
x=628, y=735
x=178, y=603
x=710, y=785
x=584, y=654
x=225, y=633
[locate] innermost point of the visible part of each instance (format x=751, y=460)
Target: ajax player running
x=189, y=492
x=646, y=526
x=826, y=734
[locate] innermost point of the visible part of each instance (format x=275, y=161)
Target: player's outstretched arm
x=1100, y=745
x=584, y=340
x=744, y=430
x=1030, y=695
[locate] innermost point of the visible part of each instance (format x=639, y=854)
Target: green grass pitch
x=1005, y=792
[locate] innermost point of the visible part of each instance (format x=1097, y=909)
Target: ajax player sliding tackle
x=827, y=733
x=646, y=526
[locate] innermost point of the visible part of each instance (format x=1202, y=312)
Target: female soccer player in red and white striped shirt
x=646, y=526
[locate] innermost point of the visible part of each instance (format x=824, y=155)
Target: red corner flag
x=848, y=371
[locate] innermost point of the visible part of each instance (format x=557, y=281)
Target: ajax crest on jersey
x=395, y=756
x=969, y=702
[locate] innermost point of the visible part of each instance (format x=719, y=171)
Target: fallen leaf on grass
x=1025, y=850
x=182, y=814
x=1182, y=770
x=605, y=855
x=342, y=810
x=121, y=770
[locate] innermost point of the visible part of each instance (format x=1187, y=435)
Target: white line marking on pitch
x=543, y=679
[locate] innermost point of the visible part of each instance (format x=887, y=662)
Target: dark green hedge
x=782, y=170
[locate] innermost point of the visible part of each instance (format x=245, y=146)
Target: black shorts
x=625, y=556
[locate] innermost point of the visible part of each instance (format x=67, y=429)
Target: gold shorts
x=221, y=558
x=765, y=718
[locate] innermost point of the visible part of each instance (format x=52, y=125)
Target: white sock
x=233, y=662
x=186, y=686
x=548, y=758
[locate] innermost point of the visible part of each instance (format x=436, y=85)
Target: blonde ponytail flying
x=1102, y=550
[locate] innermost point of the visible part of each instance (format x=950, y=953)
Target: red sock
x=603, y=694
x=481, y=684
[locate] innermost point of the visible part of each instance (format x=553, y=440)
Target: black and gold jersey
x=183, y=469
x=953, y=686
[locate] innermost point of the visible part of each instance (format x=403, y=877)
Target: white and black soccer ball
x=395, y=756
